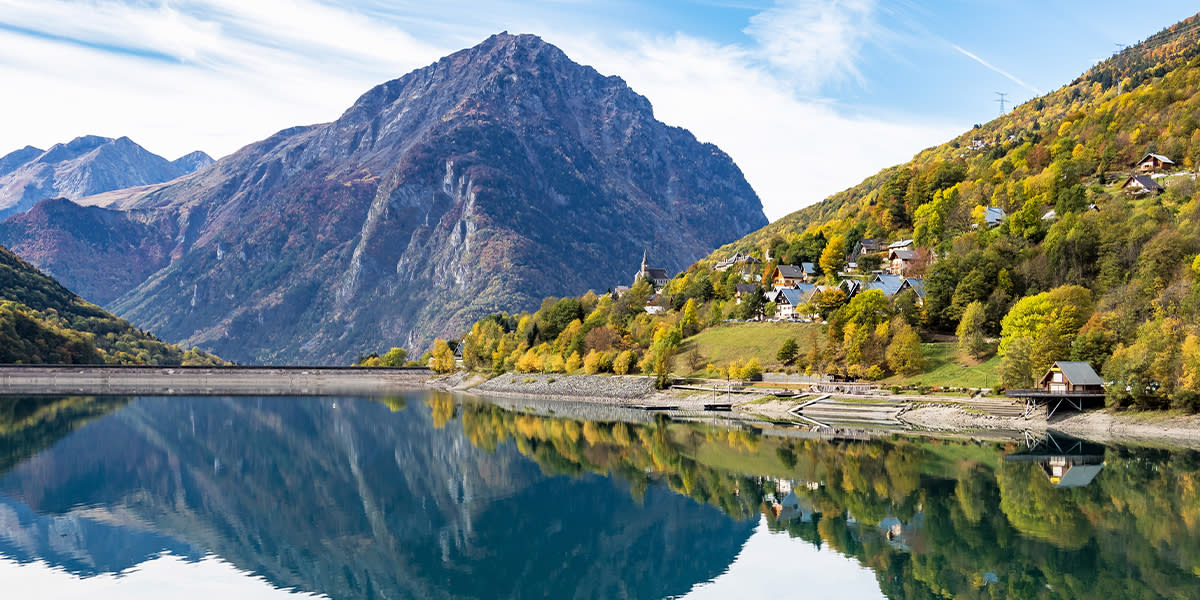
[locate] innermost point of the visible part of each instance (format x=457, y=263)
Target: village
x=790, y=292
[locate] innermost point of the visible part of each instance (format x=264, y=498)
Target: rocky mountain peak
x=496, y=176
x=84, y=166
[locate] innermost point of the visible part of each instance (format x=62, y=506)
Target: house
x=787, y=276
x=1050, y=215
x=1071, y=377
x=900, y=261
x=656, y=305
x=742, y=290
x=658, y=277
x=993, y=216
x=737, y=260
x=900, y=245
x=893, y=285
x=1154, y=162
x=1141, y=184
x=865, y=246
x=788, y=301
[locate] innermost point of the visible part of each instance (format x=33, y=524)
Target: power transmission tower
x=1001, y=100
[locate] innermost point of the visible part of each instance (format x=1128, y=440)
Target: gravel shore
x=1097, y=426
x=598, y=387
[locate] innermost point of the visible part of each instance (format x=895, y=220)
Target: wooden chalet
x=1154, y=162
x=1073, y=382
x=787, y=276
x=1066, y=377
x=1141, y=184
x=900, y=261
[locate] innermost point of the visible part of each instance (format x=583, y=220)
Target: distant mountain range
x=84, y=166
x=497, y=176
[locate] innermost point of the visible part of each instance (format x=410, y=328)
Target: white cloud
x=995, y=69
x=817, y=41
x=794, y=152
x=208, y=74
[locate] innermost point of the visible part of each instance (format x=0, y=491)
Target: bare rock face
x=499, y=175
x=84, y=166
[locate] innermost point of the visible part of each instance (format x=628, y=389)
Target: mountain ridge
x=493, y=177
x=84, y=166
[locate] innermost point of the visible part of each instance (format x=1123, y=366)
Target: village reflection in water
x=431, y=495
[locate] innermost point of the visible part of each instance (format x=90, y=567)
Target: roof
x=993, y=215
x=809, y=268
x=657, y=273
x=902, y=254
x=1050, y=214
x=1079, y=372
x=793, y=296
x=917, y=285
x=1078, y=476
x=870, y=244
x=1160, y=158
x=746, y=288
x=899, y=244
x=890, y=285
x=1142, y=181
x=791, y=271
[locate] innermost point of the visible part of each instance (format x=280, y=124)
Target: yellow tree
x=443, y=357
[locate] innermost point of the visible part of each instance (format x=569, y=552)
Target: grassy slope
x=945, y=368
x=726, y=343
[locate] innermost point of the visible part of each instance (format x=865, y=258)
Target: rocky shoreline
x=619, y=389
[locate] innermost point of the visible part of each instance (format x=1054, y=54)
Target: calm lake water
x=419, y=496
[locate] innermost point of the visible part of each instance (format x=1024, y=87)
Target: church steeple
x=645, y=263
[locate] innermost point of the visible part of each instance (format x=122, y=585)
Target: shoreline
x=623, y=397
x=951, y=415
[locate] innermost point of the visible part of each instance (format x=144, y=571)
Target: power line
x=1001, y=100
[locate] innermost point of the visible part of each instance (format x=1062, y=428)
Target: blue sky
x=781, y=85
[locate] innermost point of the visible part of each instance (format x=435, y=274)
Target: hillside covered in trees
x=42, y=322
x=1081, y=266
x=1033, y=245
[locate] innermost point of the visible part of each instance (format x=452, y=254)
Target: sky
x=808, y=96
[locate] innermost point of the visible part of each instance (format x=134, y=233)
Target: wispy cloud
x=816, y=41
x=994, y=68
x=209, y=74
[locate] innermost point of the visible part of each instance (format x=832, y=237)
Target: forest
x=42, y=322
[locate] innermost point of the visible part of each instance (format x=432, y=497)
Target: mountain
x=84, y=166
x=193, y=161
x=496, y=176
x=43, y=322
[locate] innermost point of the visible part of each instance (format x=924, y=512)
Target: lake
x=425, y=496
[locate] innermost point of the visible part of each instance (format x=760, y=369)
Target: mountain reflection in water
x=422, y=497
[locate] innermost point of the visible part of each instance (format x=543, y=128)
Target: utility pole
x=1001, y=100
